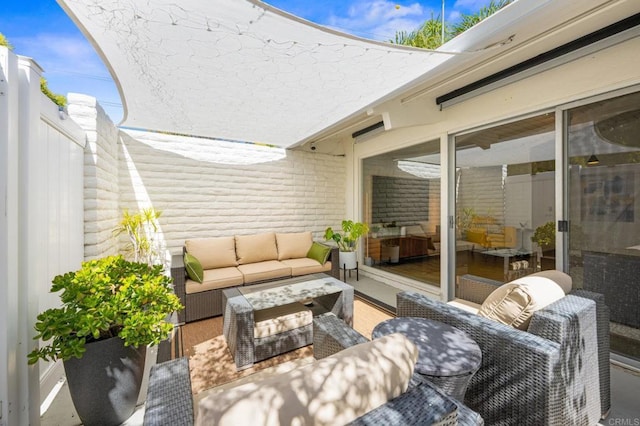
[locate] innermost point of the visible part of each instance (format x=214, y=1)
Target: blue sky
x=41, y=30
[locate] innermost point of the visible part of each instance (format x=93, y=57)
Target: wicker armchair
x=548, y=374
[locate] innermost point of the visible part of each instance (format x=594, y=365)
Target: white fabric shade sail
x=238, y=69
x=242, y=70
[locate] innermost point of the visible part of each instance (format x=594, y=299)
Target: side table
x=447, y=357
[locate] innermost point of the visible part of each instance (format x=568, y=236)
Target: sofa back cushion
x=334, y=390
x=293, y=245
x=256, y=248
x=213, y=252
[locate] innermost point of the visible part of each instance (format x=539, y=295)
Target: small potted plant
x=545, y=237
x=347, y=241
x=140, y=228
x=111, y=310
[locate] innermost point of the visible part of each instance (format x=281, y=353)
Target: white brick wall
x=208, y=188
x=101, y=210
x=482, y=189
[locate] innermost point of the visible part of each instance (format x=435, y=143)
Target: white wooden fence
x=41, y=227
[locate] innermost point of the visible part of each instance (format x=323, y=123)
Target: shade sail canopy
x=238, y=69
x=242, y=70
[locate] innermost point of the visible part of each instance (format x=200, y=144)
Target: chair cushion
x=306, y=266
x=293, y=245
x=562, y=279
x=465, y=305
x=515, y=302
x=261, y=271
x=334, y=390
x=276, y=320
x=256, y=248
x=193, y=267
x=318, y=252
x=212, y=253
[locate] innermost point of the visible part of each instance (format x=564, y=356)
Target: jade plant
x=348, y=239
x=105, y=298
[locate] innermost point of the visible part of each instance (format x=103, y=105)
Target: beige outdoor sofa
x=371, y=383
x=242, y=260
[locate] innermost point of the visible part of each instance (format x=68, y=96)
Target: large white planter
x=348, y=259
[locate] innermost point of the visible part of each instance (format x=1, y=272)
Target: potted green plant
x=347, y=241
x=112, y=309
x=140, y=229
x=464, y=221
x=545, y=237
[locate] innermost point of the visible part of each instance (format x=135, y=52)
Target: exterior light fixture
x=593, y=160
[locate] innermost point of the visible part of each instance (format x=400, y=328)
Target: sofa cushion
x=214, y=279
x=333, y=390
x=276, y=320
x=193, y=267
x=465, y=305
x=306, y=266
x=318, y=252
x=256, y=248
x=562, y=279
x=293, y=245
x=212, y=253
x=514, y=303
x=477, y=236
x=261, y=271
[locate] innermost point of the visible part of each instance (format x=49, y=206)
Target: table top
x=290, y=291
x=443, y=350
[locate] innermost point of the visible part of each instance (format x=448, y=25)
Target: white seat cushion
x=279, y=319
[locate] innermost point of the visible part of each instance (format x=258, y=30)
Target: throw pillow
x=562, y=279
x=514, y=303
x=193, y=267
x=319, y=252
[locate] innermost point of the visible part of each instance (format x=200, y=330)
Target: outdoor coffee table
x=447, y=357
x=321, y=292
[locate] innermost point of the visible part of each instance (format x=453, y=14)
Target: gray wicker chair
x=547, y=375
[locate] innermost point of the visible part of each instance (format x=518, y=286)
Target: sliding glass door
x=604, y=210
x=505, y=200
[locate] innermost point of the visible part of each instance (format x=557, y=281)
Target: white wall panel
x=208, y=188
